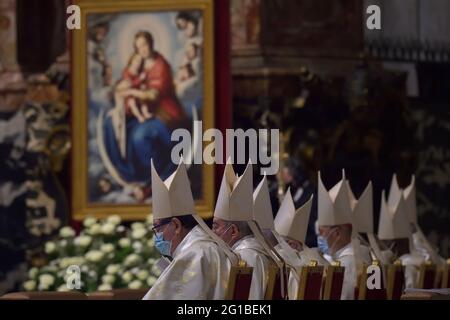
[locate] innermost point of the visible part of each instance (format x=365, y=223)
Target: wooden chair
x=427, y=274
x=239, y=282
x=445, y=275
x=395, y=280
x=363, y=292
x=334, y=279
x=273, y=291
x=44, y=295
x=118, y=294
x=310, y=281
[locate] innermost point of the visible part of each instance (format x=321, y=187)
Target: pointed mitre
x=394, y=222
x=173, y=197
x=409, y=193
x=235, y=199
x=262, y=207
x=362, y=209
x=395, y=193
x=334, y=207
x=290, y=222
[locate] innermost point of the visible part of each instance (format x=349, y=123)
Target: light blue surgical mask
x=322, y=244
x=163, y=246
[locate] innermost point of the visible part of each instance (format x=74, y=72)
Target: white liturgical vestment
x=296, y=261
x=346, y=257
x=252, y=252
x=199, y=271
x=412, y=264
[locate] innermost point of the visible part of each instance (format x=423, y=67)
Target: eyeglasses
x=156, y=228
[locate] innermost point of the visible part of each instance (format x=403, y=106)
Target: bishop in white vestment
x=200, y=268
x=335, y=226
x=233, y=215
x=394, y=229
x=199, y=271
x=291, y=225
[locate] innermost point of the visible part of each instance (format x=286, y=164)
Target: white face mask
x=223, y=233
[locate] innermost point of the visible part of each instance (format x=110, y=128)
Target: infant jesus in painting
x=134, y=78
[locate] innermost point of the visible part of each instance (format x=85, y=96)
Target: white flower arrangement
x=127, y=277
x=138, y=233
x=112, y=269
x=104, y=287
x=94, y=229
x=109, y=255
x=114, y=220
x=107, y=248
x=108, y=228
x=89, y=221
x=124, y=242
x=108, y=278
x=135, y=284
x=94, y=255
x=67, y=232
x=137, y=226
x=50, y=247
x=142, y=275
x=29, y=285
x=83, y=241
x=132, y=260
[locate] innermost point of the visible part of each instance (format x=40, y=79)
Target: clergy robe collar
x=344, y=251
x=240, y=241
x=194, y=235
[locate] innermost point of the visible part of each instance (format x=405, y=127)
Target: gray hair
x=244, y=229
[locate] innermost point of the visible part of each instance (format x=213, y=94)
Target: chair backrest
x=445, y=275
x=427, y=274
x=334, y=278
x=118, y=294
x=44, y=295
x=310, y=281
x=365, y=293
x=274, y=289
x=239, y=282
x=395, y=280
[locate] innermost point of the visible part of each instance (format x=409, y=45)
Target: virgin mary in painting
x=139, y=126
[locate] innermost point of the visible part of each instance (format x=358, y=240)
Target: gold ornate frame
x=80, y=205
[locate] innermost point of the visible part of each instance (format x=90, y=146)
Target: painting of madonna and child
x=145, y=79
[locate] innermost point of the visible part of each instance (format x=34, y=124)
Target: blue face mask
x=322, y=244
x=163, y=246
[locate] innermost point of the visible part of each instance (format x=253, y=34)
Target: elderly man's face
x=331, y=235
x=296, y=245
x=160, y=225
x=168, y=230
x=222, y=229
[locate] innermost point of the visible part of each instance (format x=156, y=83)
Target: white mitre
x=394, y=222
x=235, y=199
x=262, y=207
x=362, y=209
x=409, y=193
x=293, y=223
x=395, y=193
x=173, y=197
x=334, y=206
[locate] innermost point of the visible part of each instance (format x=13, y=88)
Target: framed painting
x=140, y=70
